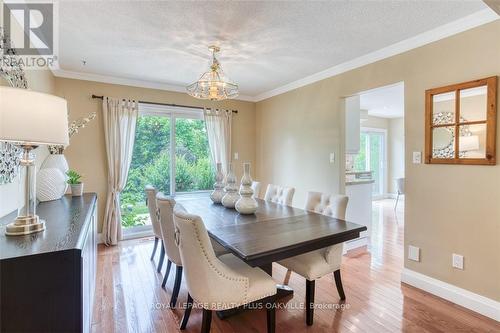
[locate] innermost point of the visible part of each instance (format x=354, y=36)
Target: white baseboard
x=100, y=240
x=355, y=243
x=477, y=303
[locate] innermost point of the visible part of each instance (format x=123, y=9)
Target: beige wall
x=87, y=153
x=448, y=208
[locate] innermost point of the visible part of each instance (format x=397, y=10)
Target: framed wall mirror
x=460, y=123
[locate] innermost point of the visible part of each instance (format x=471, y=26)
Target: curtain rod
x=166, y=104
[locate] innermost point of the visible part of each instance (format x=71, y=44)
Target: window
x=160, y=131
x=372, y=157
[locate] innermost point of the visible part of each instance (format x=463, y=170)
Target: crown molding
x=58, y=72
x=479, y=18
x=468, y=22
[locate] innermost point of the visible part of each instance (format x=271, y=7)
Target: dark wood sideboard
x=47, y=279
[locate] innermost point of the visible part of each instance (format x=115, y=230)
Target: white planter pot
x=76, y=189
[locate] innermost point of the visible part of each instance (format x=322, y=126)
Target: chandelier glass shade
x=213, y=84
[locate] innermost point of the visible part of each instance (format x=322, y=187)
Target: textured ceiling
x=264, y=44
x=385, y=102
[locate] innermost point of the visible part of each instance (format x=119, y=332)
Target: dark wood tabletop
x=273, y=233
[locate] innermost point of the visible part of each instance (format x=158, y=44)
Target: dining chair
x=316, y=264
x=165, y=216
x=151, y=203
x=279, y=194
x=218, y=283
x=400, y=183
x=256, y=189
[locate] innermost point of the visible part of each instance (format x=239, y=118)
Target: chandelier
x=213, y=84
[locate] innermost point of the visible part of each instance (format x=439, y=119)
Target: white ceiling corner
x=267, y=48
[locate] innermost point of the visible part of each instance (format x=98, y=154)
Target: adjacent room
x=249, y=166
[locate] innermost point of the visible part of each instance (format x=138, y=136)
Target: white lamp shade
x=32, y=117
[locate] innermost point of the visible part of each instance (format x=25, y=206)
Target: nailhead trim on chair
x=246, y=280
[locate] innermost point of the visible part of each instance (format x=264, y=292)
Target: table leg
x=282, y=292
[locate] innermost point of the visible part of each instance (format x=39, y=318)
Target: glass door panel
x=193, y=167
x=150, y=165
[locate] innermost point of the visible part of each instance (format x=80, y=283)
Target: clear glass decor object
x=218, y=191
x=231, y=197
x=246, y=204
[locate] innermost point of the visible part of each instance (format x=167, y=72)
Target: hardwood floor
x=129, y=297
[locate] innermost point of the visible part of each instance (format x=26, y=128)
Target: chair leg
x=162, y=257
x=287, y=277
x=187, y=312
x=154, y=248
x=310, y=286
x=206, y=321
x=397, y=200
x=271, y=316
x=165, y=278
x=338, y=282
x=177, y=286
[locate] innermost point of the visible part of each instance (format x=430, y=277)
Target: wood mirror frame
x=460, y=124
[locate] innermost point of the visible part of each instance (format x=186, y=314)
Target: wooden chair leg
x=177, y=286
x=187, y=312
x=271, y=316
x=206, y=321
x=162, y=257
x=154, y=248
x=310, y=286
x=287, y=277
x=167, y=272
x=338, y=282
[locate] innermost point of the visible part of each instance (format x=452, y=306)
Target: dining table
x=273, y=233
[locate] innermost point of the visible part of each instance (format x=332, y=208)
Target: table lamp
x=29, y=119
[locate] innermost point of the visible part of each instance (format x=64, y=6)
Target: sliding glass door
x=372, y=157
x=161, y=131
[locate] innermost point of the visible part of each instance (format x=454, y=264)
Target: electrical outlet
x=417, y=157
x=457, y=261
x=413, y=253
x=236, y=156
x=332, y=157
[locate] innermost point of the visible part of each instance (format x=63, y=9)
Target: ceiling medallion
x=213, y=84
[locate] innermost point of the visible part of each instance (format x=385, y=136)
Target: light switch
x=236, y=156
x=332, y=157
x=417, y=157
x=413, y=253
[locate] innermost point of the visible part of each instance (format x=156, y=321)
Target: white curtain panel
x=120, y=118
x=218, y=124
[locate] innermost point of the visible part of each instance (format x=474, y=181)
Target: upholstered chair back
x=327, y=204
x=256, y=189
x=400, y=183
x=166, y=217
x=151, y=203
x=334, y=205
x=279, y=194
x=209, y=281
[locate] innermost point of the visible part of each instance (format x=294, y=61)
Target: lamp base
x=25, y=225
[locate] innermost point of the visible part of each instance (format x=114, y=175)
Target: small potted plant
x=75, y=181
